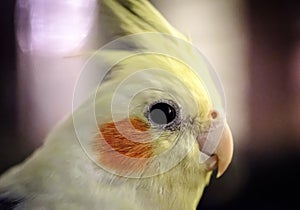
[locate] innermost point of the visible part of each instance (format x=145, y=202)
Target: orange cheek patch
x=123, y=145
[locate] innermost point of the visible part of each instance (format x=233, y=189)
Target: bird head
x=158, y=109
x=157, y=112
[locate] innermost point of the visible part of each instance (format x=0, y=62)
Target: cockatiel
x=140, y=140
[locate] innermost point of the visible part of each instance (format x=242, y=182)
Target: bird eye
x=162, y=113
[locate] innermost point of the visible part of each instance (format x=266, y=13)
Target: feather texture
x=124, y=17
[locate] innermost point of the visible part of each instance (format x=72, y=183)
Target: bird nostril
x=214, y=114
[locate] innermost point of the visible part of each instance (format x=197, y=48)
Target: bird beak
x=222, y=155
x=224, y=150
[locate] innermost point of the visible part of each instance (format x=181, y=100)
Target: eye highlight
x=162, y=113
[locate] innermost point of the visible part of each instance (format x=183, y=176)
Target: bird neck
x=179, y=188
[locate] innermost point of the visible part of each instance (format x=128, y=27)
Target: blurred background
x=253, y=45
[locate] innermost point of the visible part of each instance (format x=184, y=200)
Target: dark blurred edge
x=10, y=150
x=266, y=172
x=269, y=183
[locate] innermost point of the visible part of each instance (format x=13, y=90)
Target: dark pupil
x=162, y=113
